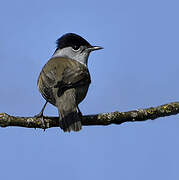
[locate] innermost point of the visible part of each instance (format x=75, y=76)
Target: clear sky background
x=138, y=68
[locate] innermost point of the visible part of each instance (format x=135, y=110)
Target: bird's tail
x=69, y=121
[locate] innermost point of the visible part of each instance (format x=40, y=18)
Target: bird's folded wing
x=62, y=74
x=72, y=78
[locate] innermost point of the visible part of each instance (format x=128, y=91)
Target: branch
x=98, y=119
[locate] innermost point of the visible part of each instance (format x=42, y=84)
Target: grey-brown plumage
x=65, y=79
x=64, y=83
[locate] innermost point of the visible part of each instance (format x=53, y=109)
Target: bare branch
x=98, y=119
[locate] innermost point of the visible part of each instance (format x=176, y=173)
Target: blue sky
x=138, y=68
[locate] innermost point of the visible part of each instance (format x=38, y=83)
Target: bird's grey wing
x=72, y=78
x=59, y=75
x=46, y=82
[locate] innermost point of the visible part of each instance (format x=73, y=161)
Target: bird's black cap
x=71, y=40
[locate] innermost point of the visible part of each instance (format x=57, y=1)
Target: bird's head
x=74, y=47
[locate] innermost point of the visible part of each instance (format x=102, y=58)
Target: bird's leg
x=40, y=115
x=41, y=112
x=79, y=112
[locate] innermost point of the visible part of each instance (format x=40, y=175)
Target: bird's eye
x=76, y=48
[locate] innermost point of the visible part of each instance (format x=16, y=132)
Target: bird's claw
x=43, y=125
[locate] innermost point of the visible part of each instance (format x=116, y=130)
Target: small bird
x=65, y=79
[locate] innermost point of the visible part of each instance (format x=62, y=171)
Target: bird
x=64, y=80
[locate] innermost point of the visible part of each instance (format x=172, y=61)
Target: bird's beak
x=94, y=48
